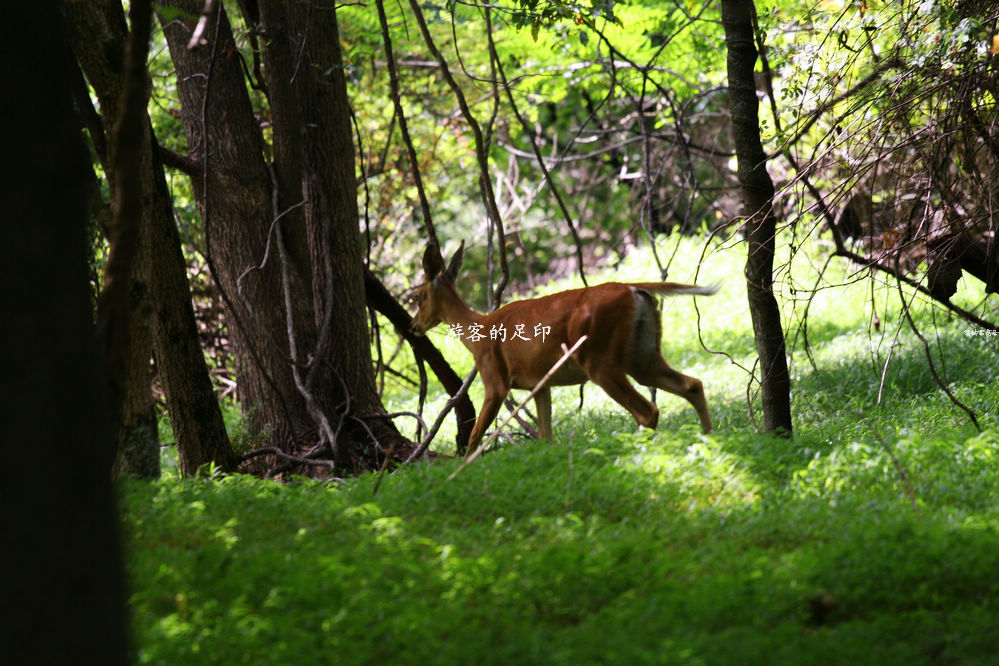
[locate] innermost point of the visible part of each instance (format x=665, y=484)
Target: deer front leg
x=490, y=407
x=543, y=402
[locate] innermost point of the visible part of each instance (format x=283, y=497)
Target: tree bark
x=381, y=300
x=761, y=222
x=162, y=311
x=64, y=579
x=90, y=31
x=315, y=96
x=298, y=319
x=235, y=202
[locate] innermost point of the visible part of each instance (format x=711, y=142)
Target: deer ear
x=433, y=262
x=455, y=265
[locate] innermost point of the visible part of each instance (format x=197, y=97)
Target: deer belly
x=569, y=373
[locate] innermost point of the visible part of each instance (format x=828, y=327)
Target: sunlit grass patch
x=868, y=536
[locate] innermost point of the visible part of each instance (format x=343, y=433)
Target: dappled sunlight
x=613, y=542
x=706, y=475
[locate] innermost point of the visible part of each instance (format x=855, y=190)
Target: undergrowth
x=871, y=536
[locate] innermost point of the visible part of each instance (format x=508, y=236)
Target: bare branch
x=197, y=37
x=414, y=163
x=567, y=353
x=485, y=180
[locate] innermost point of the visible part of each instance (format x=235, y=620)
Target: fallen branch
x=452, y=401
x=273, y=450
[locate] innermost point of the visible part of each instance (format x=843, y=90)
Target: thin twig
x=197, y=37
x=273, y=450
x=485, y=180
x=448, y=406
x=933, y=369
x=546, y=172
x=414, y=163
x=895, y=461
x=267, y=250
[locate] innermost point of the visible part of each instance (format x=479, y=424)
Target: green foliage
x=617, y=545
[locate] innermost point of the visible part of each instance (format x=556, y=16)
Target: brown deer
x=515, y=346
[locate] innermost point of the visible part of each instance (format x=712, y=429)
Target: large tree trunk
x=162, y=312
x=761, y=224
x=137, y=450
x=310, y=380
x=313, y=96
x=235, y=201
x=63, y=582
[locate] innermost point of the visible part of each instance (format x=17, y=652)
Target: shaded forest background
x=257, y=179
x=297, y=158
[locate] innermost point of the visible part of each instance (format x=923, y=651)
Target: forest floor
x=871, y=536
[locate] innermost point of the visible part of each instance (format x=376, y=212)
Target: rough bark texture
x=761, y=224
x=314, y=95
x=97, y=33
x=64, y=578
x=299, y=211
x=234, y=198
x=191, y=401
x=162, y=312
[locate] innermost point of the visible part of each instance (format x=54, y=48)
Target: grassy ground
x=624, y=546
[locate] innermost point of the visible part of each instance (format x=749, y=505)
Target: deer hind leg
x=649, y=368
x=660, y=375
x=617, y=386
x=543, y=402
x=604, y=358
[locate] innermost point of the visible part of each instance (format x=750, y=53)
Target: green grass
x=624, y=546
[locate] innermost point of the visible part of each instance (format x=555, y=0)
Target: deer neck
x=454, y=311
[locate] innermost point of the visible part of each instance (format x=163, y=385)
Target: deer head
x=438, y=289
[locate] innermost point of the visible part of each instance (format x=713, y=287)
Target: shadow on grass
x=584, y=551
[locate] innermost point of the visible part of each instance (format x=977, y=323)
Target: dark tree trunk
x=234, y=196
x=313, y=96
x=63, y=582
x=191, y=402
x=761, y=223
x=138, y=438
x=162, y=313
x=310, y=380
x=90, y=29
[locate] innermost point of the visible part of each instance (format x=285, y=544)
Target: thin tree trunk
x=138, y=451
x=761, y=223
x=191, y=401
